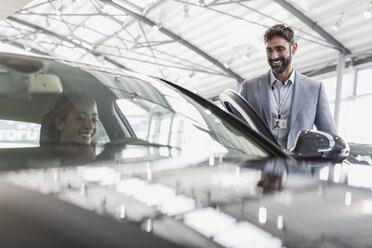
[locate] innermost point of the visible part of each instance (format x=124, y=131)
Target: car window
x=101, y=138
x=18, y=134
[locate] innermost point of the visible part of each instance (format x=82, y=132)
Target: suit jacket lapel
x=264, y=85
x=299, y=89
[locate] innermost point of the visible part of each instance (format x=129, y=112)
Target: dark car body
x=169, y=169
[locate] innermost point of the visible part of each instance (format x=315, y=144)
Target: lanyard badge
x=280, y=123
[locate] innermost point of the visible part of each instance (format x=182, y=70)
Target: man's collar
x=273, y=78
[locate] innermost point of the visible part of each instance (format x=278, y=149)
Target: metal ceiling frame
x=193, y=67
x=306, y=20
x=63, y=38
x=177, y=38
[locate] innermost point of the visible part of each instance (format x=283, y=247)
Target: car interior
x=28, y=93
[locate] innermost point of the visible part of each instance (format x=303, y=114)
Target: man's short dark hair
x=280, y=30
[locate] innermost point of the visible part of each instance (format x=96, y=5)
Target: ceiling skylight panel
x=115, y=12
x=102, y=25
x=87, y=34
x=135, y=4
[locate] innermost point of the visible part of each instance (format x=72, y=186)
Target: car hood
x=204, y=201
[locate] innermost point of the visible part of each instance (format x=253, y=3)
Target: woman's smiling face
x=80, y=125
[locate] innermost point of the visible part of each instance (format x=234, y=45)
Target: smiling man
x=286, y=100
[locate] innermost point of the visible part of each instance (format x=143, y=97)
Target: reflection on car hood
x=207, y=201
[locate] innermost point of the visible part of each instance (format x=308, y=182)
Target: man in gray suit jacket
x=286, y=100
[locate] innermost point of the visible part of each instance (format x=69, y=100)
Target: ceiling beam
x=19, y=45
x=64, y=38
x=329, y=38
x=331, y=68
x=177, y=38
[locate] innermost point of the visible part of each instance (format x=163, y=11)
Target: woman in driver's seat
x=74, y=119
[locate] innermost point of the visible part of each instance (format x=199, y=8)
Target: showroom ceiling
x=205, y=46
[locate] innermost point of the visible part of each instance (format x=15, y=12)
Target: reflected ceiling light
x=148, y=225
x=348, y=198
x=262, y=215
x=56, y=176
x=237, y=171
x=122, y=212
x=245, y=57
x=83, y=189
x=337, y=173
x=211, y=160
x=280, y=222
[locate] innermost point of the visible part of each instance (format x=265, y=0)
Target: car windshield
x=159, y=114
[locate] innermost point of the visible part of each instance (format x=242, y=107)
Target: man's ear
x=294, y=48
x=59, y=124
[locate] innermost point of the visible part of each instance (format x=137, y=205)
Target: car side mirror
x=311, y=144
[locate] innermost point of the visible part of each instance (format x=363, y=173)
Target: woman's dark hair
x=65, y=104
x=280, y=30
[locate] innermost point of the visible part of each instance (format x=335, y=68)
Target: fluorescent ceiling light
x=87, y=34
x=102, y=25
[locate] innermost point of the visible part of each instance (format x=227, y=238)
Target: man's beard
x=283, y=67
